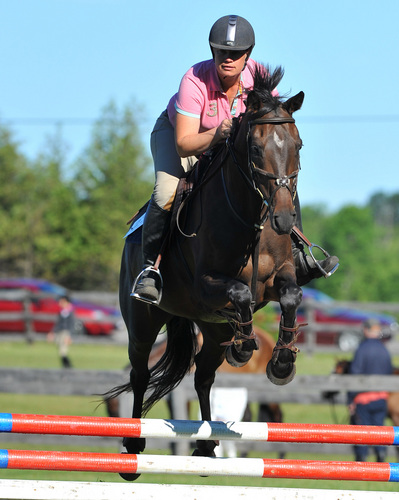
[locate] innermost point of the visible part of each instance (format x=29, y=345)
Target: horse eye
x=256, y=151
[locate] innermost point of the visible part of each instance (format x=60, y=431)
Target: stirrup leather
x=154, y=273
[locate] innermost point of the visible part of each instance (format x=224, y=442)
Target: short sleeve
x=189, y=99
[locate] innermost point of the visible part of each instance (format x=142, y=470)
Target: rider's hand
x=224, y=129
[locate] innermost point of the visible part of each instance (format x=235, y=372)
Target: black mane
x=265, y=81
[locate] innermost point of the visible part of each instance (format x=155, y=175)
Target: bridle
x=256, y=173
x=253, y=180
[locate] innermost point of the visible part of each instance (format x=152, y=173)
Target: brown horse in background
x=270, y=412
x=229, y=255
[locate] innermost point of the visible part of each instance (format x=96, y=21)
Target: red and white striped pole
x=183, y=429
x=203, y=466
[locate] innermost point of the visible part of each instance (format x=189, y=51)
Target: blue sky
x=64, y=60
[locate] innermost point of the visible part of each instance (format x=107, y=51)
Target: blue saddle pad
x=135, y=230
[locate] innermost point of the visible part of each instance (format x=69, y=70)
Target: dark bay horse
x=230, y=256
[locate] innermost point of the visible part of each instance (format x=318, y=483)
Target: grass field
x=110, y=357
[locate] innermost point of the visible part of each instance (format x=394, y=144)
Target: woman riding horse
x=229, y=252
x=197, y=118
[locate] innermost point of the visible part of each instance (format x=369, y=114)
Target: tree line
x=65, y=223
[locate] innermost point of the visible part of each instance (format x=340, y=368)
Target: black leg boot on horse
x=308, y=267
x=148, y=284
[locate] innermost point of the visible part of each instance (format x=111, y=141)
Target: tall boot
x=306, y=268
x=148, y=284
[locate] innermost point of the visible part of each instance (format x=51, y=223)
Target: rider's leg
x=155, y=227
x=306, y=268
x=169, y=167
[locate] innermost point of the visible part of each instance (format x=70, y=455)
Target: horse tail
x=176, y=362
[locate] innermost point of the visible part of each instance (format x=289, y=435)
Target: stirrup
x=152, y=273
x=326, y=254
x=310, y=246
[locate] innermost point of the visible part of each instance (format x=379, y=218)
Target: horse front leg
x=232, y=299
x=281, y=368
x=207, y=361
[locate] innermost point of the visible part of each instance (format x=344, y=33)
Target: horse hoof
x=129, y=477
x=279, y=380
x=237, y=359
x=198, y=453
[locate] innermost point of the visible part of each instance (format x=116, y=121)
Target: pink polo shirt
x=201, y=95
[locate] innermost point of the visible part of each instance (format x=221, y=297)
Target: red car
x=339, y=325
x=38, y=300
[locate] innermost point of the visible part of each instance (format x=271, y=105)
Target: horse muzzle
x=282, y=221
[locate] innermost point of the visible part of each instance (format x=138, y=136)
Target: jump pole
x=203, y=466
x=188, y=429
x=57, y=490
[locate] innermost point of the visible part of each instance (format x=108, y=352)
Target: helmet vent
x=231, y=30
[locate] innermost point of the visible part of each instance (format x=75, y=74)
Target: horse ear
x=294, y=103
x=253, y=102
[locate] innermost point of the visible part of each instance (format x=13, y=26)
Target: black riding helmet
x=232, y=33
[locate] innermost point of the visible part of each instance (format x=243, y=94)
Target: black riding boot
x=306, y=267
x=148, y=284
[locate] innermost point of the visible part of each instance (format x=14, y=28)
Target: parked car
x=348, y=320
x=92, y=319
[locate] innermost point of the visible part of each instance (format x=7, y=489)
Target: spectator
x=370, y=408
x=63, y=330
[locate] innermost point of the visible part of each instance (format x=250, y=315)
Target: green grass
x=44, y=354
x=109, y=357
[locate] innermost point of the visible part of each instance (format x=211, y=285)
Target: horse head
x=273, y=146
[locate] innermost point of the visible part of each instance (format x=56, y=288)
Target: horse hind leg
x=207, y=362
x=143, y=324
x=281, y=368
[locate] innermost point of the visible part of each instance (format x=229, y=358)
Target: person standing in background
x=63, y=330
x=370, y=408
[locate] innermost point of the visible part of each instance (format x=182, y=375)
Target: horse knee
x=291, y=298
x=240, y=295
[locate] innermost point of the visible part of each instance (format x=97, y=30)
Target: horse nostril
x=283, y=224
